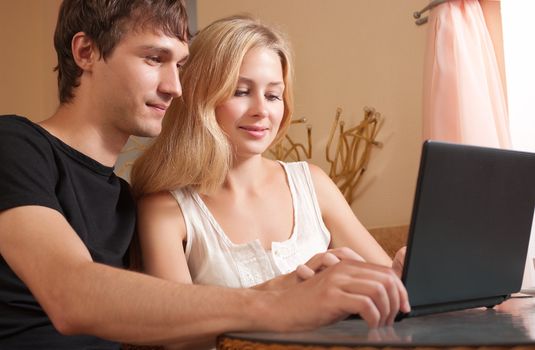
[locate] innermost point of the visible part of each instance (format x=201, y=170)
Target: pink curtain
x=464, y=100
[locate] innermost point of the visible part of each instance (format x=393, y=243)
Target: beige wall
x=28, y=84
x=349, y=54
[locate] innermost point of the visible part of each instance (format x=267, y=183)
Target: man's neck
x=83, y=132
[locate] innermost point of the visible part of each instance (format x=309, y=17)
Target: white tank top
x=213, y=259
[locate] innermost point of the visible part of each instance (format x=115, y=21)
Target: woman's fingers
x=321, y=261
x=399, y=260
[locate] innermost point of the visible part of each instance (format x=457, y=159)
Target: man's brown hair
x=105, y=22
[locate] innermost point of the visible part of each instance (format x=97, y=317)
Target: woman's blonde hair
x=192, y=150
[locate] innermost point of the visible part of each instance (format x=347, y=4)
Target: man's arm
x=83, y=297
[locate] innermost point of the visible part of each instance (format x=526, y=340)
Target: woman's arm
x=162, y=231
x=345, y=228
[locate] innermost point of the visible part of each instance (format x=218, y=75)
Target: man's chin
x=148, y=131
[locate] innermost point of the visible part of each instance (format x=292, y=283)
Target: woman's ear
x=84, y=51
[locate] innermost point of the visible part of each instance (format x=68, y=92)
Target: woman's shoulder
x=315, y=171
x=321, y=181
x=154, y=202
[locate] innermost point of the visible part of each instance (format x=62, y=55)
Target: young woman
x=213, y=210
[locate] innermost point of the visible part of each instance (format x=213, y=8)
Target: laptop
x=470, y=227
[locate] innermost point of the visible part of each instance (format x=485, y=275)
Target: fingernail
x=407, y=306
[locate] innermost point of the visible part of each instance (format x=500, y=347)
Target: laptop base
x=453, y=306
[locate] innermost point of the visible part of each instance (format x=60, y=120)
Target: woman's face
x=251, y=118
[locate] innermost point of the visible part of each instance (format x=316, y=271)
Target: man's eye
x=154, y=59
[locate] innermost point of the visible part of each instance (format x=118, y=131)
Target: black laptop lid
x=470, y=225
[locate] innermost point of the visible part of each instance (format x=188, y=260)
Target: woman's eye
x=273, y=98
x=241, y=93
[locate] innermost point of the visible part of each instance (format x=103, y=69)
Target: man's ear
x=84, y=51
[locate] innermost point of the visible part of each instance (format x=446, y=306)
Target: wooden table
x=509, y=325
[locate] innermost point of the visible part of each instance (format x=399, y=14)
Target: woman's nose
x=259, y=107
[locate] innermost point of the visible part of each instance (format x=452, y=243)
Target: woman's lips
x=255, y=131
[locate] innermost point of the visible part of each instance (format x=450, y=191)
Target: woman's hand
x=399, y=260
x=316, y=264
x=323, y=260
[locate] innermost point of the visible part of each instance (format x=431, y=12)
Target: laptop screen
x=470, y=225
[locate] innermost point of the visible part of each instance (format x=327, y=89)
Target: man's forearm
x=131, y=307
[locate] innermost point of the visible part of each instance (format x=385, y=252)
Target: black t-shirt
x=36, y=168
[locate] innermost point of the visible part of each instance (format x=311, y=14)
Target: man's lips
x=160, y=106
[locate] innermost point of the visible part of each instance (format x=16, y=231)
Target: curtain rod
x=418, y=14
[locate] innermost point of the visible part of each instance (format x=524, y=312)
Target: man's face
x=134, y=86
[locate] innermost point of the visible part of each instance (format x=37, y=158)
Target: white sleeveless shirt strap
x=311, y=236
x=187, y=212
x=303, y=186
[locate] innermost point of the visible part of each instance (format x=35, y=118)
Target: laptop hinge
x=453, y=306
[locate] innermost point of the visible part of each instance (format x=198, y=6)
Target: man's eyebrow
x=163, y=51
x=156, y=48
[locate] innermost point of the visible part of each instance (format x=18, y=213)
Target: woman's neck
x=249, y=175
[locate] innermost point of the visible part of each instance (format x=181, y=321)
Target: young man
x=66, y=220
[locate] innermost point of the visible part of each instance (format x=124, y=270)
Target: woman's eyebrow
x=251, y=81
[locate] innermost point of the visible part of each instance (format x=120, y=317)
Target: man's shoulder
x=13, y=120
x=22, y=142
x=15, y=129
x=17, y=125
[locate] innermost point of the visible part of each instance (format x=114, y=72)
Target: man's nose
x=170, y=83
